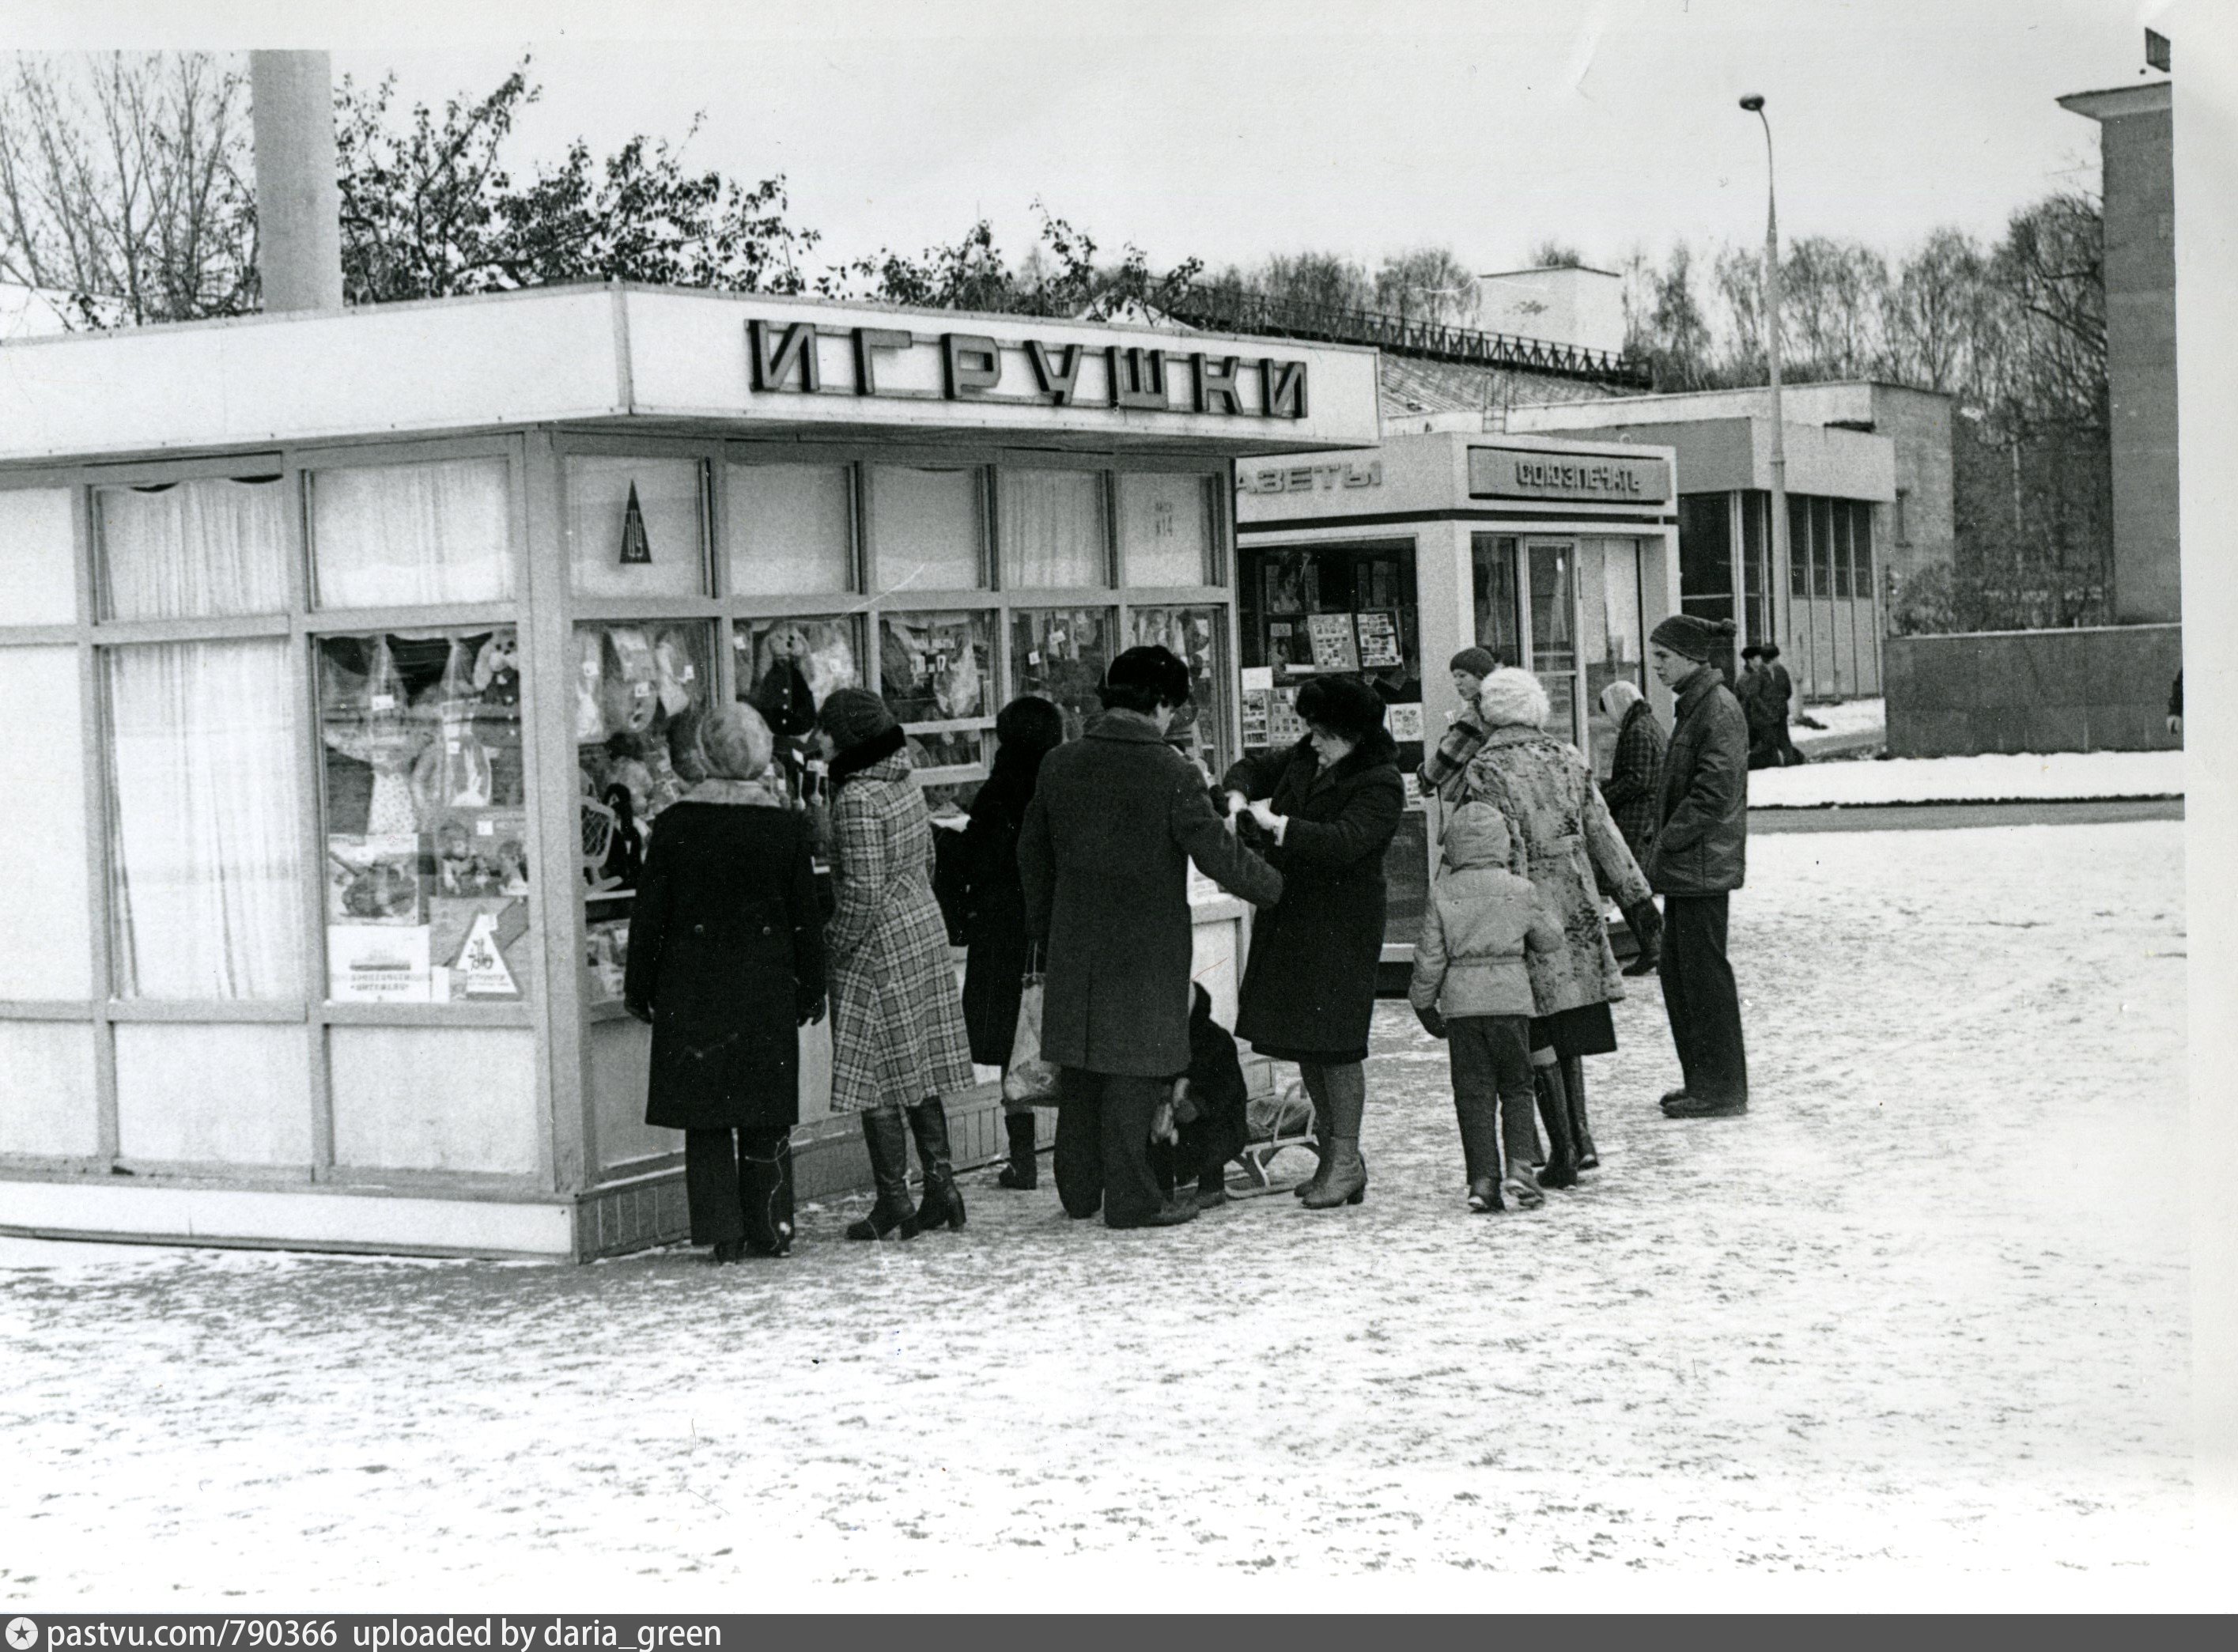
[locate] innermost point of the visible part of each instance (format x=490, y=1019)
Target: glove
x=809, y=1011
x=1433, y=1023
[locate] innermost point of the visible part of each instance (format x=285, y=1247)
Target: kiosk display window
x=637, y=527
x=790, y=528
x=1052, y=529
x=929, y=525
x=1061, y=655
x=635, y=685
x=1615, y=636
x=206, y=861
x=426, y=880
x=1166, y=528
x=1200, y=637
x=936, y=673
x=400, y=536
x=212, y=548
x=38, y=580
x=1322, y=609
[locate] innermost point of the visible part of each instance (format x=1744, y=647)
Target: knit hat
x=851, y=716
x=1477, y=662
x=1696, y=638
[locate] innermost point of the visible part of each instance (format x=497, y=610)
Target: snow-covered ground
x=1923, y=1308
x=1844, y=722
x=1991, y=778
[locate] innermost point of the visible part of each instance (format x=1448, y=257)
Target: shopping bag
x=1030, y=1078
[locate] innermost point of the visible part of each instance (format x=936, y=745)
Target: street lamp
x=1780, y=549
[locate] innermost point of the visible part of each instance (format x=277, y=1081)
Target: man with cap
x=1779, y=696
x=1445, y=770
x=1754, y=692
x=1103, y=855
x=1697, y=862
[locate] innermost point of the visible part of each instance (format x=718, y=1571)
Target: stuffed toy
x=497, y=670
x=676, y=679
x=590, y=676
x=630, y=696
x=369, y=719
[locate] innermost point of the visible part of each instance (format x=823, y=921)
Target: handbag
x=1029, y=1078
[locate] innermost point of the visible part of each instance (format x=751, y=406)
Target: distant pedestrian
x=1780, y=698
x=1757, y=692
x=1446, y=766
x=1332, y=804
x=726, y=963
x=897, y=1039
x=1697, y=860
x=1565, y=843
x=993, y=909
x=1472, y=989
x=2176, y=705
x=1631, y=792
x=1117, y=817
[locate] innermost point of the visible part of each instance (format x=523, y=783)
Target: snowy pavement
x=1990, y=778
x=1925, y=1308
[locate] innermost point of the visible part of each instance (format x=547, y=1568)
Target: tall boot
x=765, y=1190
x=1581, y=1133
x=1561, y=1169
x=887, y=1138
x=944, y=1199
x=1025, y=1169
x=1479, y=1122
x=1322, y=1130
x=1344, y=1179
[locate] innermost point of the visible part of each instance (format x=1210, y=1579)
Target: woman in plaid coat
x=1635, y=780
x=897, y=1035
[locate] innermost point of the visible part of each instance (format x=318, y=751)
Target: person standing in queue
x=897, y=1039
x=1331, y=803
x=994, y=907
x=1632, y=791
x=1698, y=858
x=726, y=963
x=1117, y=817
x=1446, y=766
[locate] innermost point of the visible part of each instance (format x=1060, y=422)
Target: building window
x=427, y=816
x=1199, y=635
x=1798, y=546
x=1060, y=655
x=1166, y=528
x=1903, y=523
x=1053, y=529
x=790, y=528
x=211, y=548
x=1705, y=547
x=637, y=527
x=403, y=536
x=928, y=527
x=1499, y=626
x=44, y=929
x=205, y=862
x=38, y=576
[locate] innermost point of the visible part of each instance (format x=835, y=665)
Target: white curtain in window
x=1051, y=524
x=187, y=549
x=410, y=535
x=207, y=874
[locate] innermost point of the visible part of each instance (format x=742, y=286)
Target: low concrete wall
x=2102, y=689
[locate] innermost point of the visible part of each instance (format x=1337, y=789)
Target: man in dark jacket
x=1103, y=864
x=1697, y=860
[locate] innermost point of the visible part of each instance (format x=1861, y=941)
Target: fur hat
x=1477, y=662
x=851, y=716
x=735, y=741
x=1695, y=638
x=1345, y=706
x=1512, y=696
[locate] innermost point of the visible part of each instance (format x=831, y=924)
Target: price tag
x=384, y=701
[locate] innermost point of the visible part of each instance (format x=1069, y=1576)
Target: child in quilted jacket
x=1470, y=988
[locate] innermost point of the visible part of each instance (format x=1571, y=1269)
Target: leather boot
x=1322, y=1130
x=944, y=1199
x=1479, y=1122
x=1561, y=1169
x=1344, y=1180
x=1025, y=1169
x=1581, y=1133
x=887, y=1138
x=1646, y=926
x=765, y=1190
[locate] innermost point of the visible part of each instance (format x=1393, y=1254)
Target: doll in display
x=369, y=720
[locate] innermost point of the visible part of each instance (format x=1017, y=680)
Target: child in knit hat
x=1472, y=989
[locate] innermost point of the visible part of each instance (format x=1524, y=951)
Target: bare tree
x=125, y=185
x=1429, y=284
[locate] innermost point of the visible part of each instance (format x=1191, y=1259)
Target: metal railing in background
x=1225, y=310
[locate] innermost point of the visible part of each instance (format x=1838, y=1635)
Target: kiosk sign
x=1596, y=478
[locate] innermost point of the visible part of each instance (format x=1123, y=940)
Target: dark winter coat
x=993, y=905
x=1117, y=817
x=1562, y=839
x=1634, y=790
x=725, y=956
x=1701, y=834
x=1309, y=988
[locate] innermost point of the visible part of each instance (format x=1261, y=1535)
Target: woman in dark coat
x=726, y=963
x=994, y=908
x=1632, y=791
x=1331, y=803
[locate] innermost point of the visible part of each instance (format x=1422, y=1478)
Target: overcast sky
x=1230, y=128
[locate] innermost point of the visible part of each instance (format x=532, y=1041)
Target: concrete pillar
x=299, y=227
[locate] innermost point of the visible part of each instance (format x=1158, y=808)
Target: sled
x=1278, y=1123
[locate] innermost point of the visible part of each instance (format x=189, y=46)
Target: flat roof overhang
x=671, y=361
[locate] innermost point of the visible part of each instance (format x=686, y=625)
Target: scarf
x=874, y=750
x=751, y=794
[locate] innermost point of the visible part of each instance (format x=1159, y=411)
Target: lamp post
x=1781, y=551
